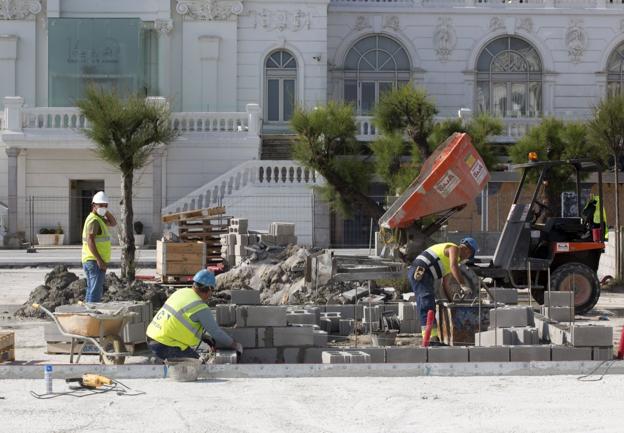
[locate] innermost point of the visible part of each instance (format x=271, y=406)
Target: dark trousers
x=425, y=293
x=163, y=351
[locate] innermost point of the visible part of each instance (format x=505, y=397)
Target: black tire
x=585, y=281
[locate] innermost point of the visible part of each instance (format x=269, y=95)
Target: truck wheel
x=580, y=278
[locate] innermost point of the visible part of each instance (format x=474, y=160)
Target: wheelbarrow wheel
x=113, y=344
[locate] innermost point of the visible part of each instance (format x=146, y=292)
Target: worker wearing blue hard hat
x=185, y=321
x=435, y=263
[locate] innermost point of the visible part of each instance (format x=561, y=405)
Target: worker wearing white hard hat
x=96, y=246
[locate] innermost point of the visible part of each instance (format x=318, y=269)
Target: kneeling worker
x=435, y=263
x=179, y=326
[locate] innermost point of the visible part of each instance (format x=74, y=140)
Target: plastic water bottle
x=47, y=375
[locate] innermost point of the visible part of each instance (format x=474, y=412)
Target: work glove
x=209, y=340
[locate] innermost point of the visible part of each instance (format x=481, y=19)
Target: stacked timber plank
x=7, y=346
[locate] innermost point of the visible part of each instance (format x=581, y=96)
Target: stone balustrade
x=263, y=173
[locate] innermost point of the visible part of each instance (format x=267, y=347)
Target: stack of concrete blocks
x=504, y=296
x=409, y=318
x=371, y=319
x=559, y=306
x=234, y=244
x=509, y=326
x=280, y=234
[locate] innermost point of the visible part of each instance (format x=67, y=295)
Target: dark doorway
x=80, y=194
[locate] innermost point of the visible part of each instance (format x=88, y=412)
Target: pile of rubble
x=62, y=287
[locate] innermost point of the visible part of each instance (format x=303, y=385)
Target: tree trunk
x=126, y=229
x=616, y=201
x=359, y=200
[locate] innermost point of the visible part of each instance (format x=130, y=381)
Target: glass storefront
x=120, y=54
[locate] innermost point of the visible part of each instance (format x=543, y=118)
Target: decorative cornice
x=19, y=9
x=282, y=20
x=209, y=10
x=164, y=27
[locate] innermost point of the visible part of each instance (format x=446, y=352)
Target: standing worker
x=178, y=327
x=435, y=263
x=96, y=245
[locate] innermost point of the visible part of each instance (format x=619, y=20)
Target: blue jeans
x=95, y=281
x=425, y=293
x=163, y=351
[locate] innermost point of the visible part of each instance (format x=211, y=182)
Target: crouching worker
x=180, y=325
x=435, y=263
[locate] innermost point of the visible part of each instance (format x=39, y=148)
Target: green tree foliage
x=607, y=126
x=125, y=132
x=326, y=143
x=554, y=140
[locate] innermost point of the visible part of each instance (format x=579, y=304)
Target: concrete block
x=345, y=327
x=506, y=296
x=591, y=335
x=377, y=354
x=260, y=316
x=320, y=338
x=241, y=250
x=529, y=353
x=292, y=336
x=408, y=311
x=565, y=353
x=349, y=311
x=266, y=238
x=226, y=314
x=245, y=336
x=259, y=356
x=134, y=333
x=525, y=336
x=242, y=224
x=245, y=297
x=488, y=354
x=326, y=325
x=242, y=240
x=396, y=355
x=371, y=314
x=313, y=355
x=358, y=357
x=282, y=229
x=541, y=323
x=228, y=239
x=335, y=357
x=494, y=337
x=558, y=299
x=447, y=354
x=507, y=317
x=558, y=334
x=602, y=353
x=409, y=297
x=292, y=355
x=560, y=314
x=334, y=322
x=410, y=326
x=301, y=318
x=225, y=357
x=371, y=327
x=390, y=308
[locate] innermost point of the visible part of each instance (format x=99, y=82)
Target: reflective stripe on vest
x=173, y=326
x=102, y=241
x=438, y=262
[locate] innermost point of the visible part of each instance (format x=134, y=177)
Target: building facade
x=233, y=72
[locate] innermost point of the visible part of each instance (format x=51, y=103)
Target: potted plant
x=139, y=236
x=51, y=236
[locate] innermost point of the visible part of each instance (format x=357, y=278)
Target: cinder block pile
x=234, y=244
x=505, y=296
x=280, y=234
x=559, y=306
x=409, y=318
x=509, y=326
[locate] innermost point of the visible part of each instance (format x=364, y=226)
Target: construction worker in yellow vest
x=181, y=324
x=96, y=246
x=591, y=214
x=435, y=263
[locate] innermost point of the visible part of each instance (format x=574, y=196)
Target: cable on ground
x=587, y=377
x=118, y=387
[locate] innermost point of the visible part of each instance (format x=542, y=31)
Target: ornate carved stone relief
x=164, y=27
x=282, y=20
x=524, y=23
x=496, y=23
x=19, y=9
x=362, y=23
x=392, y=22
x=444, y=38
x=576, y=39
x=209, y=10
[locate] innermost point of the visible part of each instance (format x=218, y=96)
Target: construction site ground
x=315, y=404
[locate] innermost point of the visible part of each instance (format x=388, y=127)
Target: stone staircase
x=277, y=147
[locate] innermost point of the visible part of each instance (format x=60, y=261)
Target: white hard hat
x=100, y=198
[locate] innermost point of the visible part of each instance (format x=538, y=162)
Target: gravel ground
x=423, y=404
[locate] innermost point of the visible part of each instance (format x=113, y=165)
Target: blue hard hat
x=205, y=278
x=472, y=244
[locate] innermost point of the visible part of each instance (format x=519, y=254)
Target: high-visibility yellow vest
x=173, y=326
x=438, y=262
x=102, y=241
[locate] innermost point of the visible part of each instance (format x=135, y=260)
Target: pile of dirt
x=62, y=287
x=278, y=274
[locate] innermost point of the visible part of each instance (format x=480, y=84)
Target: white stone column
x=13, y=113
x=22, y=223
x=253, y=114
x=164, y=27
x=12, y=189
x=209, y=58
x=8, y=57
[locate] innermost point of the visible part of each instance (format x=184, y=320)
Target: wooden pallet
x=193, y=214
x=175, y=279
x=7, y=355
x=7, y=340
x=64, y=347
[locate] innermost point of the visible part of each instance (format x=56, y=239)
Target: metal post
x=370, y=238
x=529, y=279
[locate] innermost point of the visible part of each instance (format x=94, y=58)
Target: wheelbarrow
x=100, y=328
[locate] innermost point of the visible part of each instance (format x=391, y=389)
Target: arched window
x=373, y=66
x=509, y=79
x=280, y=86
x=615, y=71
